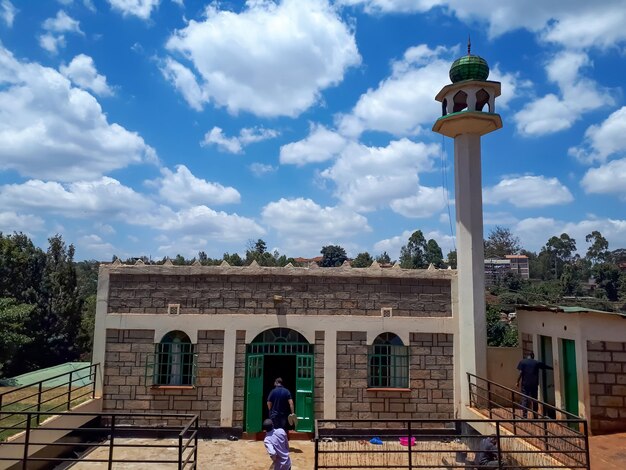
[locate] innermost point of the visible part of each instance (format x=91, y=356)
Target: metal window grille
x=173, y=363
x=388, y=366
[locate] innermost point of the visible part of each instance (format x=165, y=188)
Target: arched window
x=482, y=98
x=460, y=101
x=388, y=362
x=175, y=360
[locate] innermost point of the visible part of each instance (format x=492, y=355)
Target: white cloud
x=7, y=12
x=304, y=226
x=404, y=102
x=94, y=247
x=103, y=197
x=184, y=189
x=572, y=23
x=393, y=245
x=82, y=71
x=204, y=221
x=62, y=23
x=270, y=59
x=528, y=191
x=320, y=145
x=246, y=137
x=367, y=178
x=578, y=95
x=607, y=179
x=51, y=42
x=604, y=140
x=51, y=130
x=425, y=203
x=13, y=222
x=260, y=169
x=535, y=232
x=105, y=229
x=139, y=8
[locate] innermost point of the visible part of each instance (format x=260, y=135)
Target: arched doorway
x=279, y=352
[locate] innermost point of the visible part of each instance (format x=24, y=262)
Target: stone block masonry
x=127, y=386
x=527, y=344
x=431, y=376
x=321, y=291
x=606, y=362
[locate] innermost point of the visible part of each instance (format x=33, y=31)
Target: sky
x=164, y=127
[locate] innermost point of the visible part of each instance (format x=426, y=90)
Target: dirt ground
x=212, y=454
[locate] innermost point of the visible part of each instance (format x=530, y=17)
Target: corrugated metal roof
x=567, y=309
x=79, y=378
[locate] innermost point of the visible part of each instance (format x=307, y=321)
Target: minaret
x=468, y=112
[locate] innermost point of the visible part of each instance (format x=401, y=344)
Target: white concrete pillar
x=228, y=377
x=330, y=374
x=99, y=337
x=472, y=355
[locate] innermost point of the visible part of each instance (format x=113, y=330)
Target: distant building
x=519, y=265
x=496, y=269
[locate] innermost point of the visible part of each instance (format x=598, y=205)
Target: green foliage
x=433, y=254
x=413, y=254
x=21, y=268
x=500, y=333
x=501, y=242
x=607, y=278
x=452, y=259
x=557, y=252
x=332, y=256
x=598, y=251
x=383, y=258
x=362, y=260
x=13, y=331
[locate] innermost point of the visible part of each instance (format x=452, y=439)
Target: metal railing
x=46, y=396
x=550, y=429
x=432, y=444
x=110, y=438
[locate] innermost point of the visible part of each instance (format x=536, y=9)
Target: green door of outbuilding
x=570, y=380
x=254, y=392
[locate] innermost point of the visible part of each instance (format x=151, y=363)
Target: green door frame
x=305, y=360
x=569, y=378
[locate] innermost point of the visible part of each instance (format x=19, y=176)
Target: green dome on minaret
x=469, y=67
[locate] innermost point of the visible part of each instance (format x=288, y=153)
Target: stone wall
x=318, y=398
x=240, y=379
x=303, y=293
x=126, y=387
x=606, y=362
x=431, y=389
x=527, y=344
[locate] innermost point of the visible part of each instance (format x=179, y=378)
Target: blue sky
x=157, y=127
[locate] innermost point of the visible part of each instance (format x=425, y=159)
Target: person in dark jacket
x=528, y=382
x=280, y=405
x=488, y=453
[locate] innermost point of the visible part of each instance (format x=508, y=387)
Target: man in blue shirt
x=529, y=380
x=277, y=446
x=279, y=404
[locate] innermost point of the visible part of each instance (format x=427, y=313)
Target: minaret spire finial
x=469, y=45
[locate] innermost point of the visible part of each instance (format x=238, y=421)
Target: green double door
x=255, y=394
x=570, y=379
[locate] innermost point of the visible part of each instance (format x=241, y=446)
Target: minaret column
x=470, y=257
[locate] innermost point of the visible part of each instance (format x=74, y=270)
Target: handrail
x=48, y=379
x=517, y=392
x=101, y=437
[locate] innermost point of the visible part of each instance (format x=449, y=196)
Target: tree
x=598, y=251
x=383, y=258
x=21, y=268
x=13, y=332
x=362, y=260
x=556, y=253
x=332, y=256
x=452, y=259
x=499, y=333
x=433, y=254
x=233, y=260
x=501, y=242
x=607, y=278
x=413, y=254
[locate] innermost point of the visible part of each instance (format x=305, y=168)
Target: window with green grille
x=388, y=362
x=174, y=361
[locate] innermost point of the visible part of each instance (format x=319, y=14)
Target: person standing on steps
x=528, y=382
x=280, y=405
